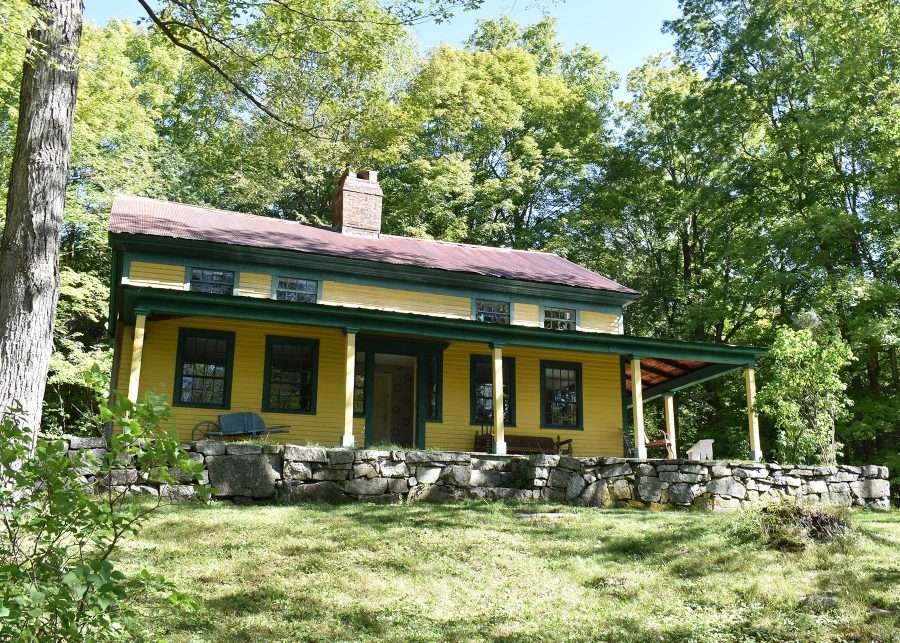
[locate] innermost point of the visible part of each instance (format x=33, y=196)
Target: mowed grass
x=483, y=572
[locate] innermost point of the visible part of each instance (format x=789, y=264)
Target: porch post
x=350, y=355
x=637, y=408
x=669, y=412
x=499, y=428
x=752, y=418
x=137, y=352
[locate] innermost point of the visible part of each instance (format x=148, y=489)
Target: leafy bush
x=56, y=579
x=789, y=526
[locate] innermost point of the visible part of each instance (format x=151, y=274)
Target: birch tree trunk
x=29, y=251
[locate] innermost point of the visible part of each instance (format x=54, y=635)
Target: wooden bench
x=524, y=444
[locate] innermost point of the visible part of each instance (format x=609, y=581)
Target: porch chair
x=236, y=424
x=661, y=442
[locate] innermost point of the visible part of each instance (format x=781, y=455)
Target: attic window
x=559, y=318
x=492, y=312
x=298, y=290
x=215, y=282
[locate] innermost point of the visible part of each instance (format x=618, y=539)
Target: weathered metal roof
x=143, y=216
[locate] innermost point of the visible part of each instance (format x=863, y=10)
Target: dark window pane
x=216, y=282
x=559, y=318
x=359, y=384
x=205, y=357
x=433, y=383
x=560, y=395
x=297, y=290
x=492, y=312
x=290, y=375
x=482, y=390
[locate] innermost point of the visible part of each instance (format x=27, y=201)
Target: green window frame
x=491, y=311
x=200, y=373
x=212, y=280
x=359, y=384
x=282, y=383
x=483, y=389
x=559, y=380
x=433, y=365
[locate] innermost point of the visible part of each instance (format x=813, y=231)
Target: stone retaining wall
x=259, y=472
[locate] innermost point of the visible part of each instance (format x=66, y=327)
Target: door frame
x=392, y=345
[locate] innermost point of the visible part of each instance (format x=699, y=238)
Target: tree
x=804, y=395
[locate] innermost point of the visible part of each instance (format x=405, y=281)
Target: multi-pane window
x=290, y=375
x=433, y=365
x=216, y=282
x=291, y=289
x=493, y=312
x=559, y=318
x=204, y=368
x=481, y=374
x=561, y=395
x=359, y=384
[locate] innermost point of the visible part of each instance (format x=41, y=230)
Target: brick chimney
x=357, y=204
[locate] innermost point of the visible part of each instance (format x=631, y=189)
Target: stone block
x=490, y=465
x=662, y=467
x=616, y=470
x=502, y=493
x=720, y=471
x=622, y=489
x=874, y=471
x=871, y=489
x=435, y=493
x=695, y=469
x=839, y=494
x=570, y=463
x=119, y=477
x=340, y=456
x=681, y=494
x=596, y=494
x=646, y=470
x=745, y=472
x=366, y=487
x=326, y=491
x=296, y=470
x=398, y=485
x=331, y=474
x=648, y=489
x=243, y=475
x=243, y=449
x=457, y=475
x=487, y=478
x=575, y=487
x=677, y=476
x=543, y=460
x=725, y=504
x=86, y=442
x=553, y=495
x=786, y=481
x=304, y=454
x=726, y=487
x=541, y=472
x=210, y=447
x=393, y=469
x=427, y=475
x=177, y=492
x=399, y=456
x=849, y=468
x=364, y=470
x=817, y=486
x=369, y=455
x=559, y=478
x=437, y=456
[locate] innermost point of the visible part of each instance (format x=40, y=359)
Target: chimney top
x=357, y=204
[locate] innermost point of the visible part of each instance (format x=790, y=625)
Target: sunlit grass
x=485, y=572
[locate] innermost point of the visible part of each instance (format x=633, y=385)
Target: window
x=359, y=385
x=300, y=290
x=492, y=312
x=433, y=365
x=561, y=395
x=481, y=380
x=559, y=318
x=289, y=381
x=216, y=282
x=203, y=368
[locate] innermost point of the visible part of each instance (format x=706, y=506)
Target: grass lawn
x=482, y=572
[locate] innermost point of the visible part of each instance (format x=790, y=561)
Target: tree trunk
x=29, y=251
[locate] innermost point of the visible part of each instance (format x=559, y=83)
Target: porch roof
x=666, y=365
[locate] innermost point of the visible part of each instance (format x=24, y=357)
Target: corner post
x=637, y=408
x=350, y=378
x=752, y=418
x=497, y=388
x=669, y=412
x=137, y=353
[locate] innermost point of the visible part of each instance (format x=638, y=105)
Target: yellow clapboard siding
x=255, y=284
x=602, y=434
x=156, y=275
x=596, y=322
x=406, y=301
x=526, y=315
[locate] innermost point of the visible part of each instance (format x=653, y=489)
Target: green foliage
x=790, y=526
x=804, y=395
x=57, y=581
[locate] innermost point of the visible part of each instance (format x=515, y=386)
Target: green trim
x=361, y=414
x=183, y=334
x=267, y=373
x=626, y=417
x=458, y=282
x=579, y=392
x=177, y=302
x=369, y=397
x=509, y=364
x=704, y=374
x=438, y=357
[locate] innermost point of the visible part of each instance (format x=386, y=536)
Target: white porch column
x=349, y=381
x=499, y=427
x=637, y=408
x=137, y=352
x=752, y=418
x=669, y=412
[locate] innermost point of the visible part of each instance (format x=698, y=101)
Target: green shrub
x=56, y=579
x=789, y=526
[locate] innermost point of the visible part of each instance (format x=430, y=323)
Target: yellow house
x=353, y=337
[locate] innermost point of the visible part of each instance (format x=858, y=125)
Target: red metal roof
x=139, y=215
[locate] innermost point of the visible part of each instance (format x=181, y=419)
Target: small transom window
x=299, y=290
x=216, y=282
x=492, y=312
x=559, y=318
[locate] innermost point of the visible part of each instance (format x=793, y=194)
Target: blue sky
x=625, y=31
